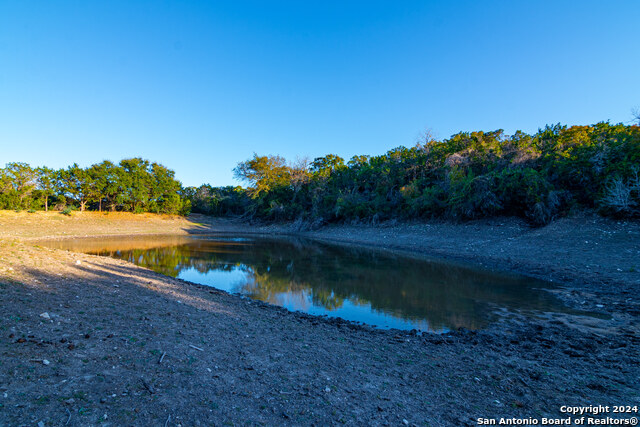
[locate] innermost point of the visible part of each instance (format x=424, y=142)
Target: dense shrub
x=470, y=175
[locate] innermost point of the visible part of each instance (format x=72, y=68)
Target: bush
x=185, y=209
x=67, y=211
x=470, y=175
x=622, y=197
x=472, y=197
x=430, y=202
x=525, y=192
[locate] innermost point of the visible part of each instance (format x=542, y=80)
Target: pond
x=379, y=288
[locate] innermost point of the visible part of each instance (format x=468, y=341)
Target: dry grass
x=26, y=226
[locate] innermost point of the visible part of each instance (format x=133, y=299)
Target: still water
x=378, y=288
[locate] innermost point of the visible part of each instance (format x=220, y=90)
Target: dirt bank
x=121, y=345
x=26, y=226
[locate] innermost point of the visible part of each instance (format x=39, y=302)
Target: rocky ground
x=86, y=340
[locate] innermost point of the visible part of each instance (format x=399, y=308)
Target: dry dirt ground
x=121, y=345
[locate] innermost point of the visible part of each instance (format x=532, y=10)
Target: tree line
x=133, y=185
x=469, y=175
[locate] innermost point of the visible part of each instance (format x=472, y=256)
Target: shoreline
x=138, y=347
x=584, y=277
x=577, y=288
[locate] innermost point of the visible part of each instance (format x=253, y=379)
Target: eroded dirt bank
x=122, y=345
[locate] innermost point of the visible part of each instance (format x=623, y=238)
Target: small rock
x=78, y=262
x=40, y=424
x=45, y=316
x=45, y=362
x=405, y=422
x=70, y=401
x=327, y=389
x=599, y=305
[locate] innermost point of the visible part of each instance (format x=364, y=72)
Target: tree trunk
x=46, y=203
x=100, y=205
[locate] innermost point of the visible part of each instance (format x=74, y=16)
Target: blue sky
x=200, y=86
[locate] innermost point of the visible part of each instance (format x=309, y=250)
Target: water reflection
x=373, y=287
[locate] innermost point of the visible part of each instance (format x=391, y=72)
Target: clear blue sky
x=200, y=86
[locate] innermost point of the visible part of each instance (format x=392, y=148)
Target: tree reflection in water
x=357, y=284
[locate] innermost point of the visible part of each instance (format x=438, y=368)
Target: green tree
x=327, y=164
x=136, y=183
x=22, y=180
x=46, y=178
x=165, y=190
x=76, y=183
x=104, y=177
x=264, y=174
